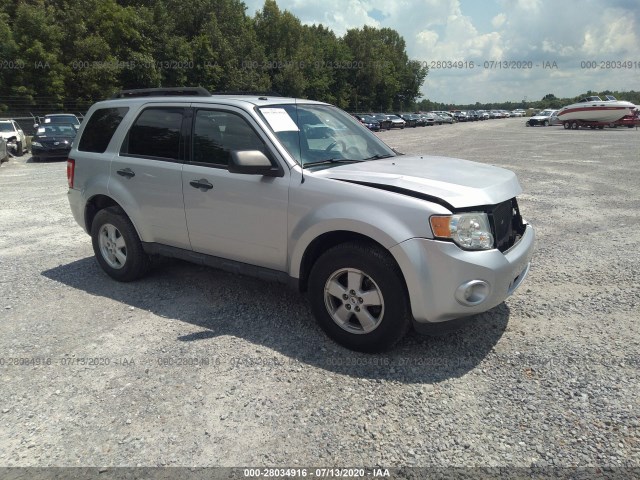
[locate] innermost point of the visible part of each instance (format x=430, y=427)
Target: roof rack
x=164, y=92
x=252, y=92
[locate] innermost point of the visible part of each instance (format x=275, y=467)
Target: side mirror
x=36, y=125
x=252, y=162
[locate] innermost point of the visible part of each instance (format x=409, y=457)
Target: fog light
x=472, y=293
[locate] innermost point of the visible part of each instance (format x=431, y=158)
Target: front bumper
x=434, y=270
x=53, y=152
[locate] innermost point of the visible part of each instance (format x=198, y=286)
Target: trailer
x=628, y=121
x=576, y=124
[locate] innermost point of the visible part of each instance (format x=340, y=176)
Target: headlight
x=468, y=230
x=36, y=144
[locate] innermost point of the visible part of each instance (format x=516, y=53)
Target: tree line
x=69, y=53
x=548, y=101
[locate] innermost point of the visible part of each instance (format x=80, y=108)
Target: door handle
x=126, y=172
x=201, y=184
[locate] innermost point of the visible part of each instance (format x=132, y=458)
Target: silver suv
x=298, y=192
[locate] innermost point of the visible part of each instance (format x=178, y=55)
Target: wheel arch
x=328, y=240
x=95, y=204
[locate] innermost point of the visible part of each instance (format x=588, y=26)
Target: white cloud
x=499, y=20
x=522, y=30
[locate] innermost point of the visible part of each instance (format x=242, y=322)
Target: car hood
x=53, y=138
x=459, y=183
x=8, y=135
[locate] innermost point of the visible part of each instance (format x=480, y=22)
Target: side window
x=155, y=133
x=100, y=128
x=216, y=133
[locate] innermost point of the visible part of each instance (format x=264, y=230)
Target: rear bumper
x=76, y=202
x=435, y=271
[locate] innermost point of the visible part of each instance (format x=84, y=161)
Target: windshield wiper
x=378, y=156
x=330, y=161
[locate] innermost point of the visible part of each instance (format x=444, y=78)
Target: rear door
x=146, y=176
x=235, y=216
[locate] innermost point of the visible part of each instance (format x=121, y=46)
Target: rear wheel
x=566, y=125
x=574, y=125
x=546, y=123
x=117, y=246
x=358, y=297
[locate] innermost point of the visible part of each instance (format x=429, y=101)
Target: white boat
x=594, y=109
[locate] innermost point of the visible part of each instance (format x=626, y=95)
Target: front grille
x=507, y=224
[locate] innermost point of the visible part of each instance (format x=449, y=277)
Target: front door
x=234, y=216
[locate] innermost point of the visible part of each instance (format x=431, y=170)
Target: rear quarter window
x=155, y=134
x=100, y=128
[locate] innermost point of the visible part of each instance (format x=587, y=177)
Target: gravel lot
x=196, y=367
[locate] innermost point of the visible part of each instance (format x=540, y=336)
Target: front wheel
x=117, y=246
x=19, y=149
x=358, y=297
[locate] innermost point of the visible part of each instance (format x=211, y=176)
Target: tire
x=362, y=273
x=117, y=246
x=19, y=149
x=546, y=123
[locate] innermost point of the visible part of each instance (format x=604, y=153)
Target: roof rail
x=251, y=92
x=164, y=92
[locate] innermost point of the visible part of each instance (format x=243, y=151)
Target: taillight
x=71, y=170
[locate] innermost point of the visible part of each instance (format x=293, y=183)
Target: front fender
x=379, y=225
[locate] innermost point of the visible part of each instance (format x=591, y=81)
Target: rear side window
x=100, y=128
x=155, y=133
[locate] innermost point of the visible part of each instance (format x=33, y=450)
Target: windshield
x=6, y=127
x=315, y=134
x=61, y=119
x=59, y=130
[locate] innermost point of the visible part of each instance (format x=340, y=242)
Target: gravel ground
x=196, y=367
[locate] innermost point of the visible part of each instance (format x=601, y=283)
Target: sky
x=520, y=49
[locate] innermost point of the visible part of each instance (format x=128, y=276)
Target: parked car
x=420, y=120
x=396, y=121
x=431, y=119
x=410, y=120
x=385, y=123
x=14, y=137
x=378, y=241
x=518, y=113
x=4, y=152
x=460, y=116
x=442, y=118
x=53, y=141
x=446, y=115
x=483, y=115
x=472, y=116
x=544, y=118
x=369, y=122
